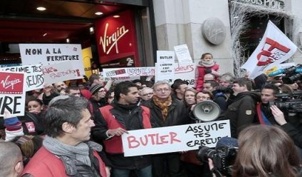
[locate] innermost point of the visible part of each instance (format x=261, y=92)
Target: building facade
x=229, y=29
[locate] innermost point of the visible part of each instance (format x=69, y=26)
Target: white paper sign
x=48, y=54
x=165, y=56
x=164, y=72
x=183, y=54
x=58, y=72
x=185, y=71
x=174, y=138
x=34, y=78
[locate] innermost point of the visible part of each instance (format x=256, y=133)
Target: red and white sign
x=174, y=138
x=12, y=93
x=274, y=48
x=116, y=39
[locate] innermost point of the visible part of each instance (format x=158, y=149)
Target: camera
x=289, y=102
x=223, y=157
x=292, y=74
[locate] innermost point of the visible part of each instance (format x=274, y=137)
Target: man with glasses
x=166, y=111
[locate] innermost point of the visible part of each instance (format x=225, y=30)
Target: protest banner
x=128, y=72
x=183, y=54
x=33, y=75
x=58, y=72
x=163, y=56
x=48, y=54
x=165, y=72
x=186, y=72
x=274, y=48
x=174, y=138
x=12, y=94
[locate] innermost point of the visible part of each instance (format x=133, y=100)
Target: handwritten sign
x=165, y=56
x=48, y=54
x=183, y=54
x=164, y=71
x=185, y=71
x=33, y=75
x=174, y=138
x=128, y=72
x=60, y=72
x=12, y=94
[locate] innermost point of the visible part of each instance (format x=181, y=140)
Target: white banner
x=48, y=54
x=33, y=75
x=128, y=72
x=185, y=71
x=58, y=72
x=174, y=138
x=273, y=49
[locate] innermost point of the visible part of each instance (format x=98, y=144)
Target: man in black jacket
x=242, y=111
x=166, y=111
x=116, y=119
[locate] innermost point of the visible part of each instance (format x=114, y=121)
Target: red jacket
x=114, y=144
x=201, y=71
x=46, y=164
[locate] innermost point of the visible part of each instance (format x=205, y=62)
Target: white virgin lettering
x=6, y=83
x=109, y=41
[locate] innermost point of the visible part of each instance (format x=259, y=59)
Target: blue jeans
x=143, y=172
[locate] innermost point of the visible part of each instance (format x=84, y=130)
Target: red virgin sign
x=11, y=83
x=116, y=39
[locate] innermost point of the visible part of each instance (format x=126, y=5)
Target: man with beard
x=116, y=119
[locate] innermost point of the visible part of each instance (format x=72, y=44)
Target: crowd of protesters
x=75, y=129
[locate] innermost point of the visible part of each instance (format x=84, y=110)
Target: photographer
x=264, y=151
x=287, y=127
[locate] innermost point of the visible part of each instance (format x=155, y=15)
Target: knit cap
x=95, y=88
x=13, y=127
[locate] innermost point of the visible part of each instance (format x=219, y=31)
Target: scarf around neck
x=163, y=105
x=207, y=63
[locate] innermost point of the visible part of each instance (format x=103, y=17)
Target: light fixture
x=116, y=16
x=45, y=34
x=91, y=30
x=67, y=40
x=98, y=13
x=41, y=8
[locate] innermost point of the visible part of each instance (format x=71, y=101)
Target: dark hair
x=212, y=83
x=204, y=55
x=63, y=109
x=244, y=82
x=108, y=94
x=122, y=88
x=72, y=87
x=177, y=84
x=36, y=100
x=272, y=87
x=93, y=77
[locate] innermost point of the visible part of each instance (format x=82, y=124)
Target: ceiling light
x=45, y=34
x=116, y=16
x=98, y=13
x=67, y=40
x=91, y=29
x=41, y=8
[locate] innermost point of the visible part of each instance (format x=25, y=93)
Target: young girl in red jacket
x=205, y=66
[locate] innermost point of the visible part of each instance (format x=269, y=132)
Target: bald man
x=11, y=160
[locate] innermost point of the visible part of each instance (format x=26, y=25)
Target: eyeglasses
x=162, y=90
x=146, y=94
